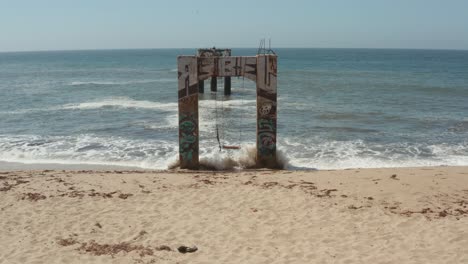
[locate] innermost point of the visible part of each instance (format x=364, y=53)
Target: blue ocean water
x=337, y=108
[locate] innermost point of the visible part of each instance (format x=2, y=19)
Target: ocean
x=337, y=108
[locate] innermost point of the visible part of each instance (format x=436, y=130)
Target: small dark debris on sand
x=430, y=213
x=163, y=248
x=270, y=184
x=185, y=249
x=73, y=194
x=394, y=177
x=206, y=181
x=66, y=241
x=97, y=249
x=34, y=197
x=104, y=195
x=443, y=213
x=94, y=248
x=423, y=211
x=326, y=192
x=125, y=195
x=353, y=207
x=8, y=186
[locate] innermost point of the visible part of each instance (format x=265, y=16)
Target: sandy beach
x=405, y=215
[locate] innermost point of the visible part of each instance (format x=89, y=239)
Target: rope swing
x=220, y=137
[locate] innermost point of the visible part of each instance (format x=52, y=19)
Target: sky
x=29, y=25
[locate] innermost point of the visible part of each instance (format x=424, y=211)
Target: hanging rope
x=220, y=135
x=242, y=112
x=216, y=121
x=223, y=128
x=217, y=137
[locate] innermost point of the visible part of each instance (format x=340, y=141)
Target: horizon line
x=117, y=49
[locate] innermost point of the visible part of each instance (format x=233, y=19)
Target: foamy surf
x=87, y=149
x=157, y=154
x=121, y=102
x=331, y=154
x=103, y=83
x=223, y=160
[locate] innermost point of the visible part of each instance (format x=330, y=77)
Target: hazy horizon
x=233, y=48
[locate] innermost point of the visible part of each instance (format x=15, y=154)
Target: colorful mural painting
x=188, y=136
x=266, y=137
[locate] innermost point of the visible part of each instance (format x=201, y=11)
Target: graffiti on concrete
x=266, y=110
x=266, y=137
x=187, y=76
x=209, y=63
x=188, y=136
x=227, y=67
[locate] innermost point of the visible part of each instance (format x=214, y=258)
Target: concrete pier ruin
x=214, y=63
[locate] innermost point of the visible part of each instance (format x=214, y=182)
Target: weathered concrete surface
x=266, y=110
x=188, y=112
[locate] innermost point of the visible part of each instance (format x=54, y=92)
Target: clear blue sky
x=115, y=24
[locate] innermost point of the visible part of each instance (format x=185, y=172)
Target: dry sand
x=410, y=215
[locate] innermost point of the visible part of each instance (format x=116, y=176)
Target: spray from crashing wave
x=238, y=160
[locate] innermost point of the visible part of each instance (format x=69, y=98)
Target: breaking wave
x=163, y=154
x=122, y=102
x=232, y=160
x=87, y=149
x=82, y=83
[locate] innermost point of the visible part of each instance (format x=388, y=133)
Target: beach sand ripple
x=406, y=215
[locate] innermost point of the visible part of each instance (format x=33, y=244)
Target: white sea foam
x=228, y=160
x=228, y=104
x=87, y=149
x=171, y=123
x=244, y=158
x=207, y=107
x=80, y=83
x=122, y=102
x=160, y=154
x=118, y=102
x=318, y=154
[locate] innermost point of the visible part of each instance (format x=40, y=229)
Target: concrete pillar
x=266, y=111
x=227, y=85
x=188, y=112
x=214, y=84
x=201, y=86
